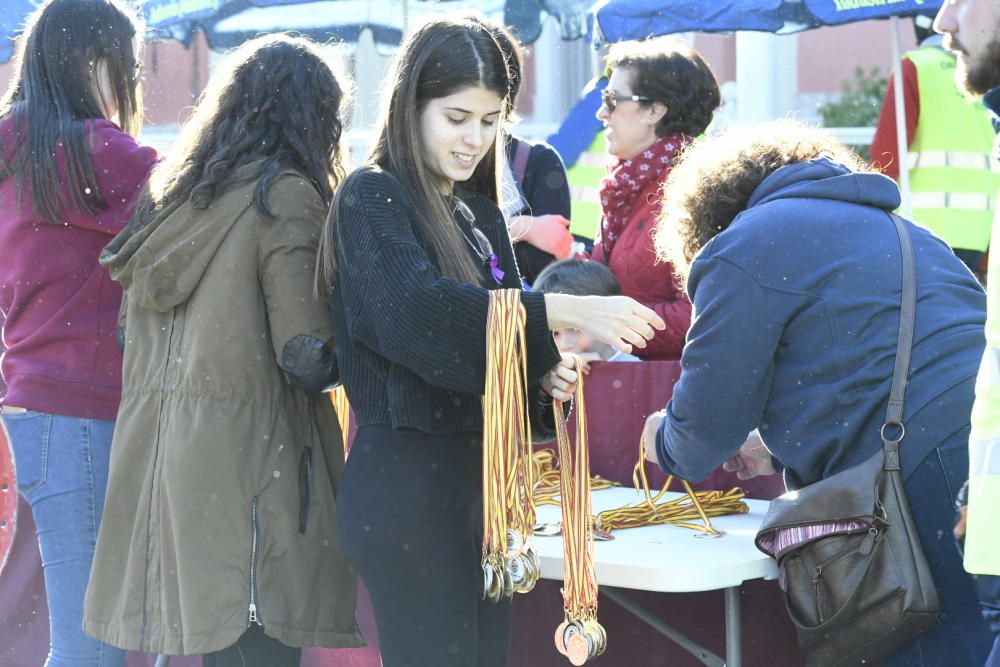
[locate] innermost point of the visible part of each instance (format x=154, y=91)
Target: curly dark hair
x=276, y=103
x=667, y=70
x=713, y=181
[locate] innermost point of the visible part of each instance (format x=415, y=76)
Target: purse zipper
x=862, y=546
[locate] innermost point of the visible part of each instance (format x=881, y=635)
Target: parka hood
x=829, y=180
x=161, y=263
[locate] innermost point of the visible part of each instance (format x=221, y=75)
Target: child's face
x=573, y=341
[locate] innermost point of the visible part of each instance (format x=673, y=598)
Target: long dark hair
x=440, y=58
x=275, y=102
x=58, y=58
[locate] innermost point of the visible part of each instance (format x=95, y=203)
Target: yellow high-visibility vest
x=584, y=180
x=953, y=179
x=982, y=537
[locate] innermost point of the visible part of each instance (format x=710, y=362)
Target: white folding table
x=671, y=560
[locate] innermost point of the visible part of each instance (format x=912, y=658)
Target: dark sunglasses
x=610, y=99
x=485, y=248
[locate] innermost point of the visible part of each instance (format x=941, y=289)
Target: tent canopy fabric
x=228, y=23
x=618, y=20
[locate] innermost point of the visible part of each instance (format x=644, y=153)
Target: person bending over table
x=793, y=266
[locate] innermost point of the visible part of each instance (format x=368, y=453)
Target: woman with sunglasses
x=660, y=95
x=414, y=241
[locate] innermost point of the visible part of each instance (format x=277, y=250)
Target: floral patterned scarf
x=627, y=179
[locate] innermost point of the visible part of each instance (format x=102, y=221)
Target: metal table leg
x=734, y=644
x=704, y=655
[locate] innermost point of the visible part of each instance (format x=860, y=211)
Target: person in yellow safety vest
x=973, y=31
x=581, y=144
x=584, y=180
x=953, y=181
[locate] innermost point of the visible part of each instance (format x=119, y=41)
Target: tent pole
x=902, y=146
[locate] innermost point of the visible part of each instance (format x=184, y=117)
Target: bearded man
x=972, y=31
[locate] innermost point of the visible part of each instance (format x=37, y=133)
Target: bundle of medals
x=510, y=563
x=683, y=511
x=580, y=637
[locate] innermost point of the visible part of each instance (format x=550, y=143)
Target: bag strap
x=904, y=345
x=520, y=165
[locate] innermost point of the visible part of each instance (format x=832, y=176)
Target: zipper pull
x=253, y=614
x=868, y=543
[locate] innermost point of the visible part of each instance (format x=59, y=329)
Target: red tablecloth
x=619, y=397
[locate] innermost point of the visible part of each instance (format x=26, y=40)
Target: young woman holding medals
x=414, y=242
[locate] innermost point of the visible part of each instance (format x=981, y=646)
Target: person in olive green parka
x=220, y=514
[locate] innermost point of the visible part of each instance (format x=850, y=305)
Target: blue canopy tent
x=618, y=20
x=228, y=23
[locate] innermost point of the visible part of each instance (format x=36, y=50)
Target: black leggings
x=409, y=511
x=254, y=649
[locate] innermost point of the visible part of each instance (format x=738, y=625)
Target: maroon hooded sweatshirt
x=60, y=306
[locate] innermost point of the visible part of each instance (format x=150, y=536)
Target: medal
x=577, y=651
x=560, y=633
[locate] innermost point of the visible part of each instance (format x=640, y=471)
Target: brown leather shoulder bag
x=855, y=579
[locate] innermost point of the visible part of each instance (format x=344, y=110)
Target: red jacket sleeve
x=674, y=308
x=667, y=344
x=883, y=148
x=121, y=166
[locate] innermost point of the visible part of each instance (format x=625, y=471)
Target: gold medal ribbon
x=509, y=563
x=580, y=637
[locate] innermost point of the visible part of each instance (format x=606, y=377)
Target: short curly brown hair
x=667, y=70
x=713, y=181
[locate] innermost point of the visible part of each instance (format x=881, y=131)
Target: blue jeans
x=62, y=472
x=961, y=637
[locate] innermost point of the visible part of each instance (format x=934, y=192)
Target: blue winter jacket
x=796, y=314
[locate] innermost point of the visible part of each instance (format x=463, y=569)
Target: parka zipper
x=252, y=615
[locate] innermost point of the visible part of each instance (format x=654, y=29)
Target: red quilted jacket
x=633, y=261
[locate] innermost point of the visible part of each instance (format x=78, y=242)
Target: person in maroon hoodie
x=660, y=94
x=69, y=173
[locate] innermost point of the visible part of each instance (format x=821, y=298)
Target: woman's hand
x=653, y=422
x=560, y=382
x=549, y=233
x=621, y=322
x=752, y=459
